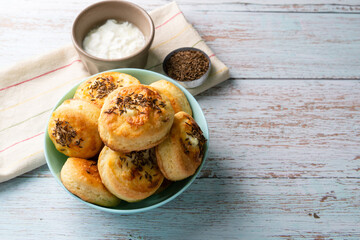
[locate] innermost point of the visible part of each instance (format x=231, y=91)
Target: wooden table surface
x=284, y=156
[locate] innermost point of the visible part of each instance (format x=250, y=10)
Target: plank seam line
x=271, y=12
x=266, y=178
x=235, y=178
x=323, y=79
x=278, y=5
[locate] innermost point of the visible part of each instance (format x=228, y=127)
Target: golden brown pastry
x=73, y=128
x=81, y=177
x=135, y=118
x=181, y=153
x=97, y=88
x=177, y=98
x=130, y=176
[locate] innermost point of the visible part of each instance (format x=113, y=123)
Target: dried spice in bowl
x=189, y=66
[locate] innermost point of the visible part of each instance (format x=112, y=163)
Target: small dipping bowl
x=188, y=84
x=96, y=15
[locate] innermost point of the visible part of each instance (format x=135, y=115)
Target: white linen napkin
x=30, y=89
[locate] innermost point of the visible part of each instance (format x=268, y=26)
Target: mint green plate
x=55, y=160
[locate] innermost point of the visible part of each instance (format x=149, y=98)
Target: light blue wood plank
x=209, y=209
x=284, y=45
x=252, y=44
x=280, y=151
x=283, y=129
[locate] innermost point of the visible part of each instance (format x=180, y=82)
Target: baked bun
x=97, y=88
x=131, y=177
x=81, y=177
x=135, y=118
x=179, y=155
x=73, y=128
x=177, y=98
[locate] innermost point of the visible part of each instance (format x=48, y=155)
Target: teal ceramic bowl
x=55, y=160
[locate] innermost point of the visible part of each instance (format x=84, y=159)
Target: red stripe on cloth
x=16, y=84
x=212, y=55
x=168, y=20
x=22, y=141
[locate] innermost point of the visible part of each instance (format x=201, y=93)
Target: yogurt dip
x=114, y=40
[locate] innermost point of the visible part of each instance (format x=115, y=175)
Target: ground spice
x=64, y=134
x=101, y=87
x=132, y=101
x=187, y=65
x=140, y=159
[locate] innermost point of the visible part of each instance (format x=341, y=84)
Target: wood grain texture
x=211, y=208
x=285, y=161
x=283, y=128
x=305, y=6
x=287, y=45
x=284, y=156
x=253, y=44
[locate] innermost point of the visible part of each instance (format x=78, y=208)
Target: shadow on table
x=209, y=206
x=221, y=89
x=39, y=172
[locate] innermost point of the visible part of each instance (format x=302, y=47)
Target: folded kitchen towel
x=30, y=89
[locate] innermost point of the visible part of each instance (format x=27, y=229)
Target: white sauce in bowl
x=114, y=40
